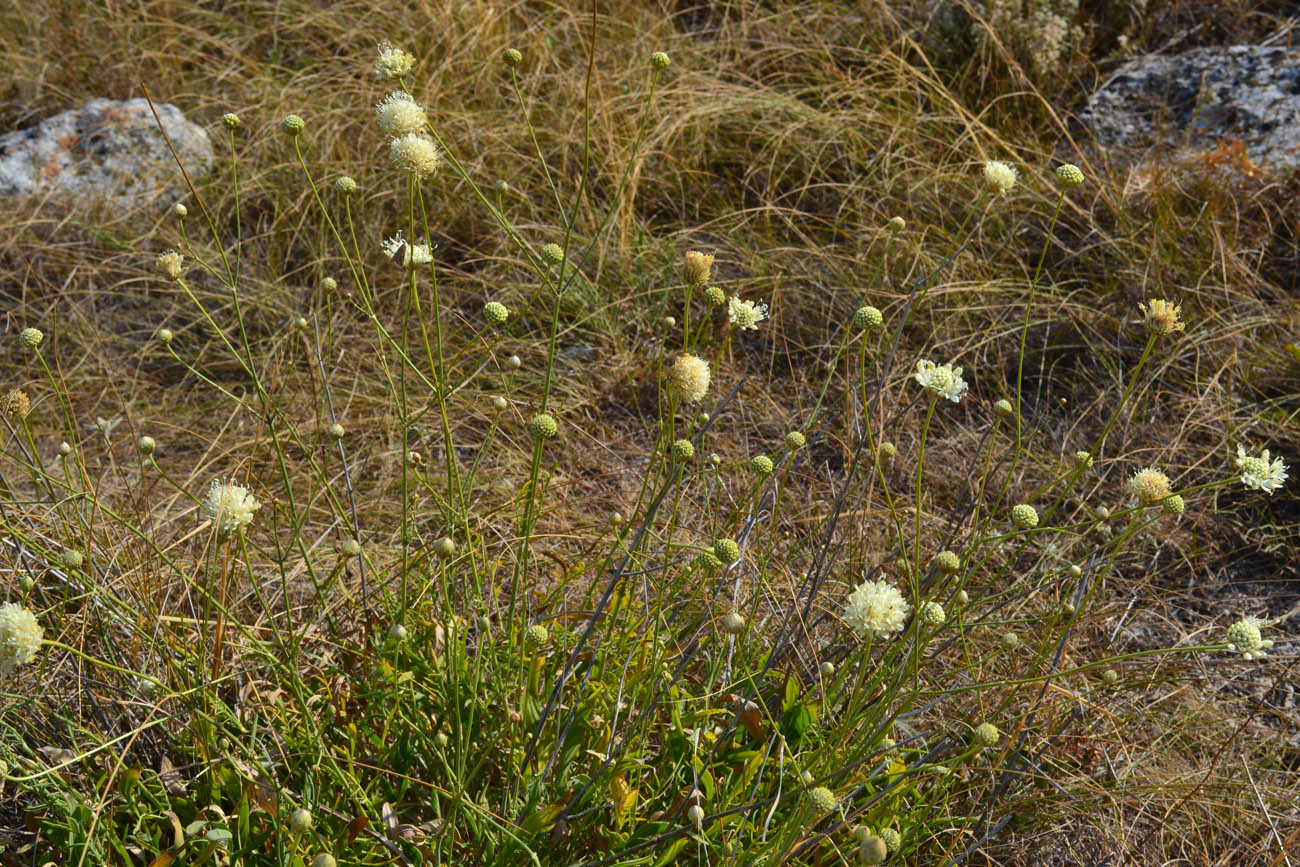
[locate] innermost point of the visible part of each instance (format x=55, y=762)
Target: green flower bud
x=1024, y=516
x=543, y=426
x=512, y=57
x=762, y=465
x=293, y=124
x=230, y=120
x=495, y=313
x=1070, y=175
x=444, y=547
x=726, y=550
x=795, y=440
x=866, y=317
x=683, y=450
x=659, y=60
x=985, y=735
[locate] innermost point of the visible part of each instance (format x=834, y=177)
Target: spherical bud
x=715, y=296
x=145, y=445
x=616, y=519
x=293, y=124
x=414, y=458
x=795, y=440
x=888, y=449
x=1010, y=640
x=25, y=584
x=300, y=822
x=932, y=613
x=733, y=623
x=397, y=633
x=300, y=324
x=71, y=559
x=1067, y=608
x=31, y=337
x=873, y=850
x=499, y=403
x=1083, y=460
x=513, y=362
x=1004, y=408
x=179, y=211
x=708, y=561
x=1244, y=638
x=1070, y=175
x=1174, y=504
x=324, y=859
x=1110, y=676
x=335, y=431
x=543, y=426
x=64, y=449
x=726, y=550
x=893, y=839
x=962, y=597
x=822, y=799
x=682, y=450
x=553, y=252
x=345, y=184
x=444, y=547
x=1103, y=513
x=659, y=60
x=715, y=460
x=512, y=57
x=329, y=284
x=1024, y=516
x=985, y=735
x=947, y=562
x=827, y=670
x=230, y=120
x=164, y=336
x=495, y=313
x=670, y=322
x=350, y=548
x=867, y=317
x=898, y=224
x=762, y=465
x=501, y=186
x=536, y=635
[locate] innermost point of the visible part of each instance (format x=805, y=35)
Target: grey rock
x=107, y=151
x=1197, y=99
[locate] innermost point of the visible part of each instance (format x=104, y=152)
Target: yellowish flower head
x=400, y=115
x=1161, y=316
x=20, y=637
x=698, y=267
x=170, y=264
x=941, y=380
x=1244, y=638
x=392, y=62
x=230, y=507
x=1000, y=176
x=1149, y=486
x=1259, y=472
x=689, y=378
x=415, y=153
x=876, y=609
x=745, y=315
x=416, y=254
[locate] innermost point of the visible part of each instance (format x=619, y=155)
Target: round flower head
x=397, y=633
x=1161, y=316
x=932, y=613
x=689, y=378
x=554, y=252
x=698, y=267
x=169, y=264
x=893, y=839
x=293, y=124
x=229, y=507
x=1244, y=638
x=947, y=562
x=1004, y=408
x=20, y=637
x=179, y=211
x=659, y=60
x=392, y=62
x=1024, y=516
x=1070, y=175
x=822, y=799
x=145, y=445
x=543, y=426
x=536, y=635
x=15, y=403
x=415, y=153
x=512, y=57
x=795, y=440
x=745, y=315
x=1149, y=486
x=415, y=254
x=444, y=547
x=1083, y=460
x=866, y=317
x=1258, y=472
x=762, y=465
x=1174, y=504
x=329, y=284
x=733, y=623
x=31, y=337
x=985, y=735
x=1010, y=640
x=164, y=336
x=708, y=561
x=499, y=403
x=715, y=296
x=876, y=609
x=827, y=670
x=682, y=450
x=898, y=224
x=72, y=559
x=300, y=822
x=1000, y=176
x=940, y=380
x=400, y=115
x=345, y=184
x=873, y=850
x=888, y=449
x=324, y=859
x=695, y=815
x=495, y=313
x=230, y=120
x=1110, y=676
x=726, y=550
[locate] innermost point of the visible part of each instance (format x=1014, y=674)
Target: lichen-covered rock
x=105, y=151
x=1204, y=97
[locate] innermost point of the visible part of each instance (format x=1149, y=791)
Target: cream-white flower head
x=745, y=315
x=415, y=153
x=392, y=62
x=416, y=254
x=400, y=115
x=1259, y=472
x=1149, y=486
x=876, y=609
x=1000, y=176
x=230, y=507
x=20, y=637
x=689, y=378
x=941, y=380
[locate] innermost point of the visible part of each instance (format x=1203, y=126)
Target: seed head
x=682, y=450
x=1070, y=175
x=300, y=822
x=335, y=431
x=230, y=507
x=888, y=449
x=1004, y=408
x=169, y=264
x=495, y=313
x=1174, y=504
x=1000, y=176
x=543, y=426
x=726, y=550
x=898, y=224
x=762, y=465
x=536, y=635
x=873, y=850
x=932, y=613
x=698, y=267
x=867, y=317
x=554, y=252
x=715, y=296
x=401, y=115
x=392, y=62
x=15, y=403
x=733, y=623
x=293, y=124
x=1149, y=486
x=985, y=735
x=659, y=60
x=1161, y=316
x=230, y=120
x=145, y=445
x=1110, y=676
x=345, y=184
x=164, y=336
x=947, y=562
x=875, y=609
x=822, y=799
x=689, y=378
x=795, y=440
x=20, y=637
x=415, y=153
x=512, y=57
x=1024, y=516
